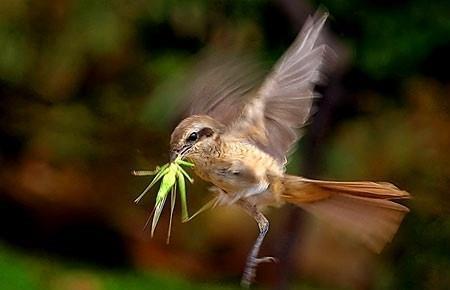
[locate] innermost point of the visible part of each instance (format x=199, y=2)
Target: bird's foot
x=266, y=260
x=250, y=269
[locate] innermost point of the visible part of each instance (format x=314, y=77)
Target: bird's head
x=192, y=134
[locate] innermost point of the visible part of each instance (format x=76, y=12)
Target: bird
x=239, y=137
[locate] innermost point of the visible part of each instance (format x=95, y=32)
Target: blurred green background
x=86, y=92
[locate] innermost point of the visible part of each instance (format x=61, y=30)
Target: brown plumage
x=362, y=209
x=239, y=138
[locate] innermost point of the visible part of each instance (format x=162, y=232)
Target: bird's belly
x=226, y=183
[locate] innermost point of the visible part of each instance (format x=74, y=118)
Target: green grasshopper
x=173, y=175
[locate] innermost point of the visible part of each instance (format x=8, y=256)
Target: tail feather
x=378, y=190
x=362, y=209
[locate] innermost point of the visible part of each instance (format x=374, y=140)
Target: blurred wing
x=283, y=103
x=221, y=84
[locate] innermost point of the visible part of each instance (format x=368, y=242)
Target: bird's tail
x=362, y=209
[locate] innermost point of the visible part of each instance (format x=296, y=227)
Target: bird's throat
x=203, y=156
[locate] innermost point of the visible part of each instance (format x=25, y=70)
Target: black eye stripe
x=194, y=136
x=207, y=132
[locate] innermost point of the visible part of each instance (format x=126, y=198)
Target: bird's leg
x=252, y=259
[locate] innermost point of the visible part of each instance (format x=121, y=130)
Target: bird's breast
x=237, y=167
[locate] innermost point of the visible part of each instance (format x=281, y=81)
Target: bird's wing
x=222, y=82
x=282, y=105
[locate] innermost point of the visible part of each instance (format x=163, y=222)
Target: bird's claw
x=250, y=269
x=266, y=260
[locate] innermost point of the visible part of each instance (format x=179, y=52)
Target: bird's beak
x=177, y=152
x=174, y=154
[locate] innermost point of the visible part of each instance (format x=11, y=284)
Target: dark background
x=86, y=92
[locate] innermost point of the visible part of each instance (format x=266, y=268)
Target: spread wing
x=282, y=105
x=220, y=85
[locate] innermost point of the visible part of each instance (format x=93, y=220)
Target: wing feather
x=221, y=85
x=282, y=105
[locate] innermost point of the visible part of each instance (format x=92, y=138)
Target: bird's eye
x=193, y=137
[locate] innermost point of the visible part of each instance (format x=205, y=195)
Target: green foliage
x=15, y=273
x=18, y=272
x=393, y=40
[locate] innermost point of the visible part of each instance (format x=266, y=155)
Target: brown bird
x=239, y=138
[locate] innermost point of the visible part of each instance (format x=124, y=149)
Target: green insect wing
x=167, y=183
